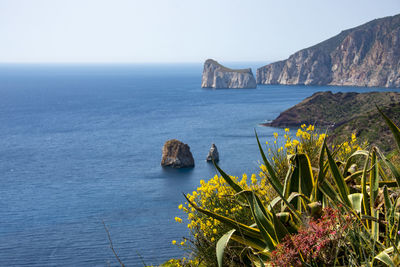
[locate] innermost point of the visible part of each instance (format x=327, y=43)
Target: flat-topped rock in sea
x=176, y=154
x=217, y=76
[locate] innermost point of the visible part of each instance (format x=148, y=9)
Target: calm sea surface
x=80, y=144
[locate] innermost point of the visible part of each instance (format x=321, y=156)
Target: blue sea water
x=81, y=144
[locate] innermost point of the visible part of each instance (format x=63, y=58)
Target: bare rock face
x=213, y=154
x=217, y=76
x=368, y=55
x=176, y=154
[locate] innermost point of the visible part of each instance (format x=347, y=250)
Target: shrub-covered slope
x=345, y=113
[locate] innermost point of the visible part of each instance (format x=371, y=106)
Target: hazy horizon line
x=125, y=62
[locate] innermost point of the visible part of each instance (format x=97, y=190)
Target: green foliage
x=316, y=179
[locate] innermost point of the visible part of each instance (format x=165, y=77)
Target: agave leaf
x=274, y=179
x=389, y=184
x=388, y=201
x=303, y=200
x=286, y=185
x=255, y=243
x=338, y=178
x=321, y=162
x=294, y=212
x=240, y=227
x=351, y=158
x=261, y=263
x=323, y=169
x=393, y=128
x=373, y=192
x=228, y=179
x=267, y=220
x=284, y=217
x=256, y=260
x=315, y=209
x=371, y=218
x=280, y=229
x=221, y=245
x=388, y=211
x=261, y=218
x=390, y=165
x=384, y=257
x=301, y=181
x=328, y=190
x=382, y=173
x=306, y=175
x=353, y=176
x=398, y=230
x=366, y=208
x=293, y=184
x=356, y=201
x=274, y=202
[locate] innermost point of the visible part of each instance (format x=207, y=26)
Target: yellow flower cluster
x=308, y=141
x=181, y=262
x=217, y=196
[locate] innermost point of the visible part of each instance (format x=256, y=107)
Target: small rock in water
x=176, y=154
x=213, y=153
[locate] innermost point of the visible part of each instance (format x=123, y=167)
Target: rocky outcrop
x=213, y=154
x=217, y=76
x=346, y=113
x=368, y=55
x=176, y=154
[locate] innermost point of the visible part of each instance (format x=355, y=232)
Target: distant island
x=367, y=55
x=344, y=114
x=217, y=76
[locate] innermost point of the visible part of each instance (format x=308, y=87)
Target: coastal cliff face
x=217, y=76
x=368, y=55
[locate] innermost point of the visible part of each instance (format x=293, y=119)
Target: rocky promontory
x=344, y=114
x=176, y=154
x=217, y=76
x=367, y=55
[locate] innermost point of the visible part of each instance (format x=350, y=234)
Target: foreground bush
x=333, y=206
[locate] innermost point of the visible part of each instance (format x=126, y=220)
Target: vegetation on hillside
x=310, y=205
x=344, y=114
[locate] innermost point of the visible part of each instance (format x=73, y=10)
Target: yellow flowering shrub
x=307, y=140
x=181, y=262
x=217, y=196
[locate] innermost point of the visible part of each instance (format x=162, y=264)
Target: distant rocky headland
x=345, y=113
x=367, y=55
x=217, y=76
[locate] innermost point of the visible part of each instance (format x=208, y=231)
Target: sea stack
x=213, y=154
x=217, y=76
x=176, y=154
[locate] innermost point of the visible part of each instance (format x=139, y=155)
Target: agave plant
x=306, y=191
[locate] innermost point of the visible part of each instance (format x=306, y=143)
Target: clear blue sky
x=174, y=30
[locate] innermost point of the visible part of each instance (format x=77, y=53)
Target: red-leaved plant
x=318, y=242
